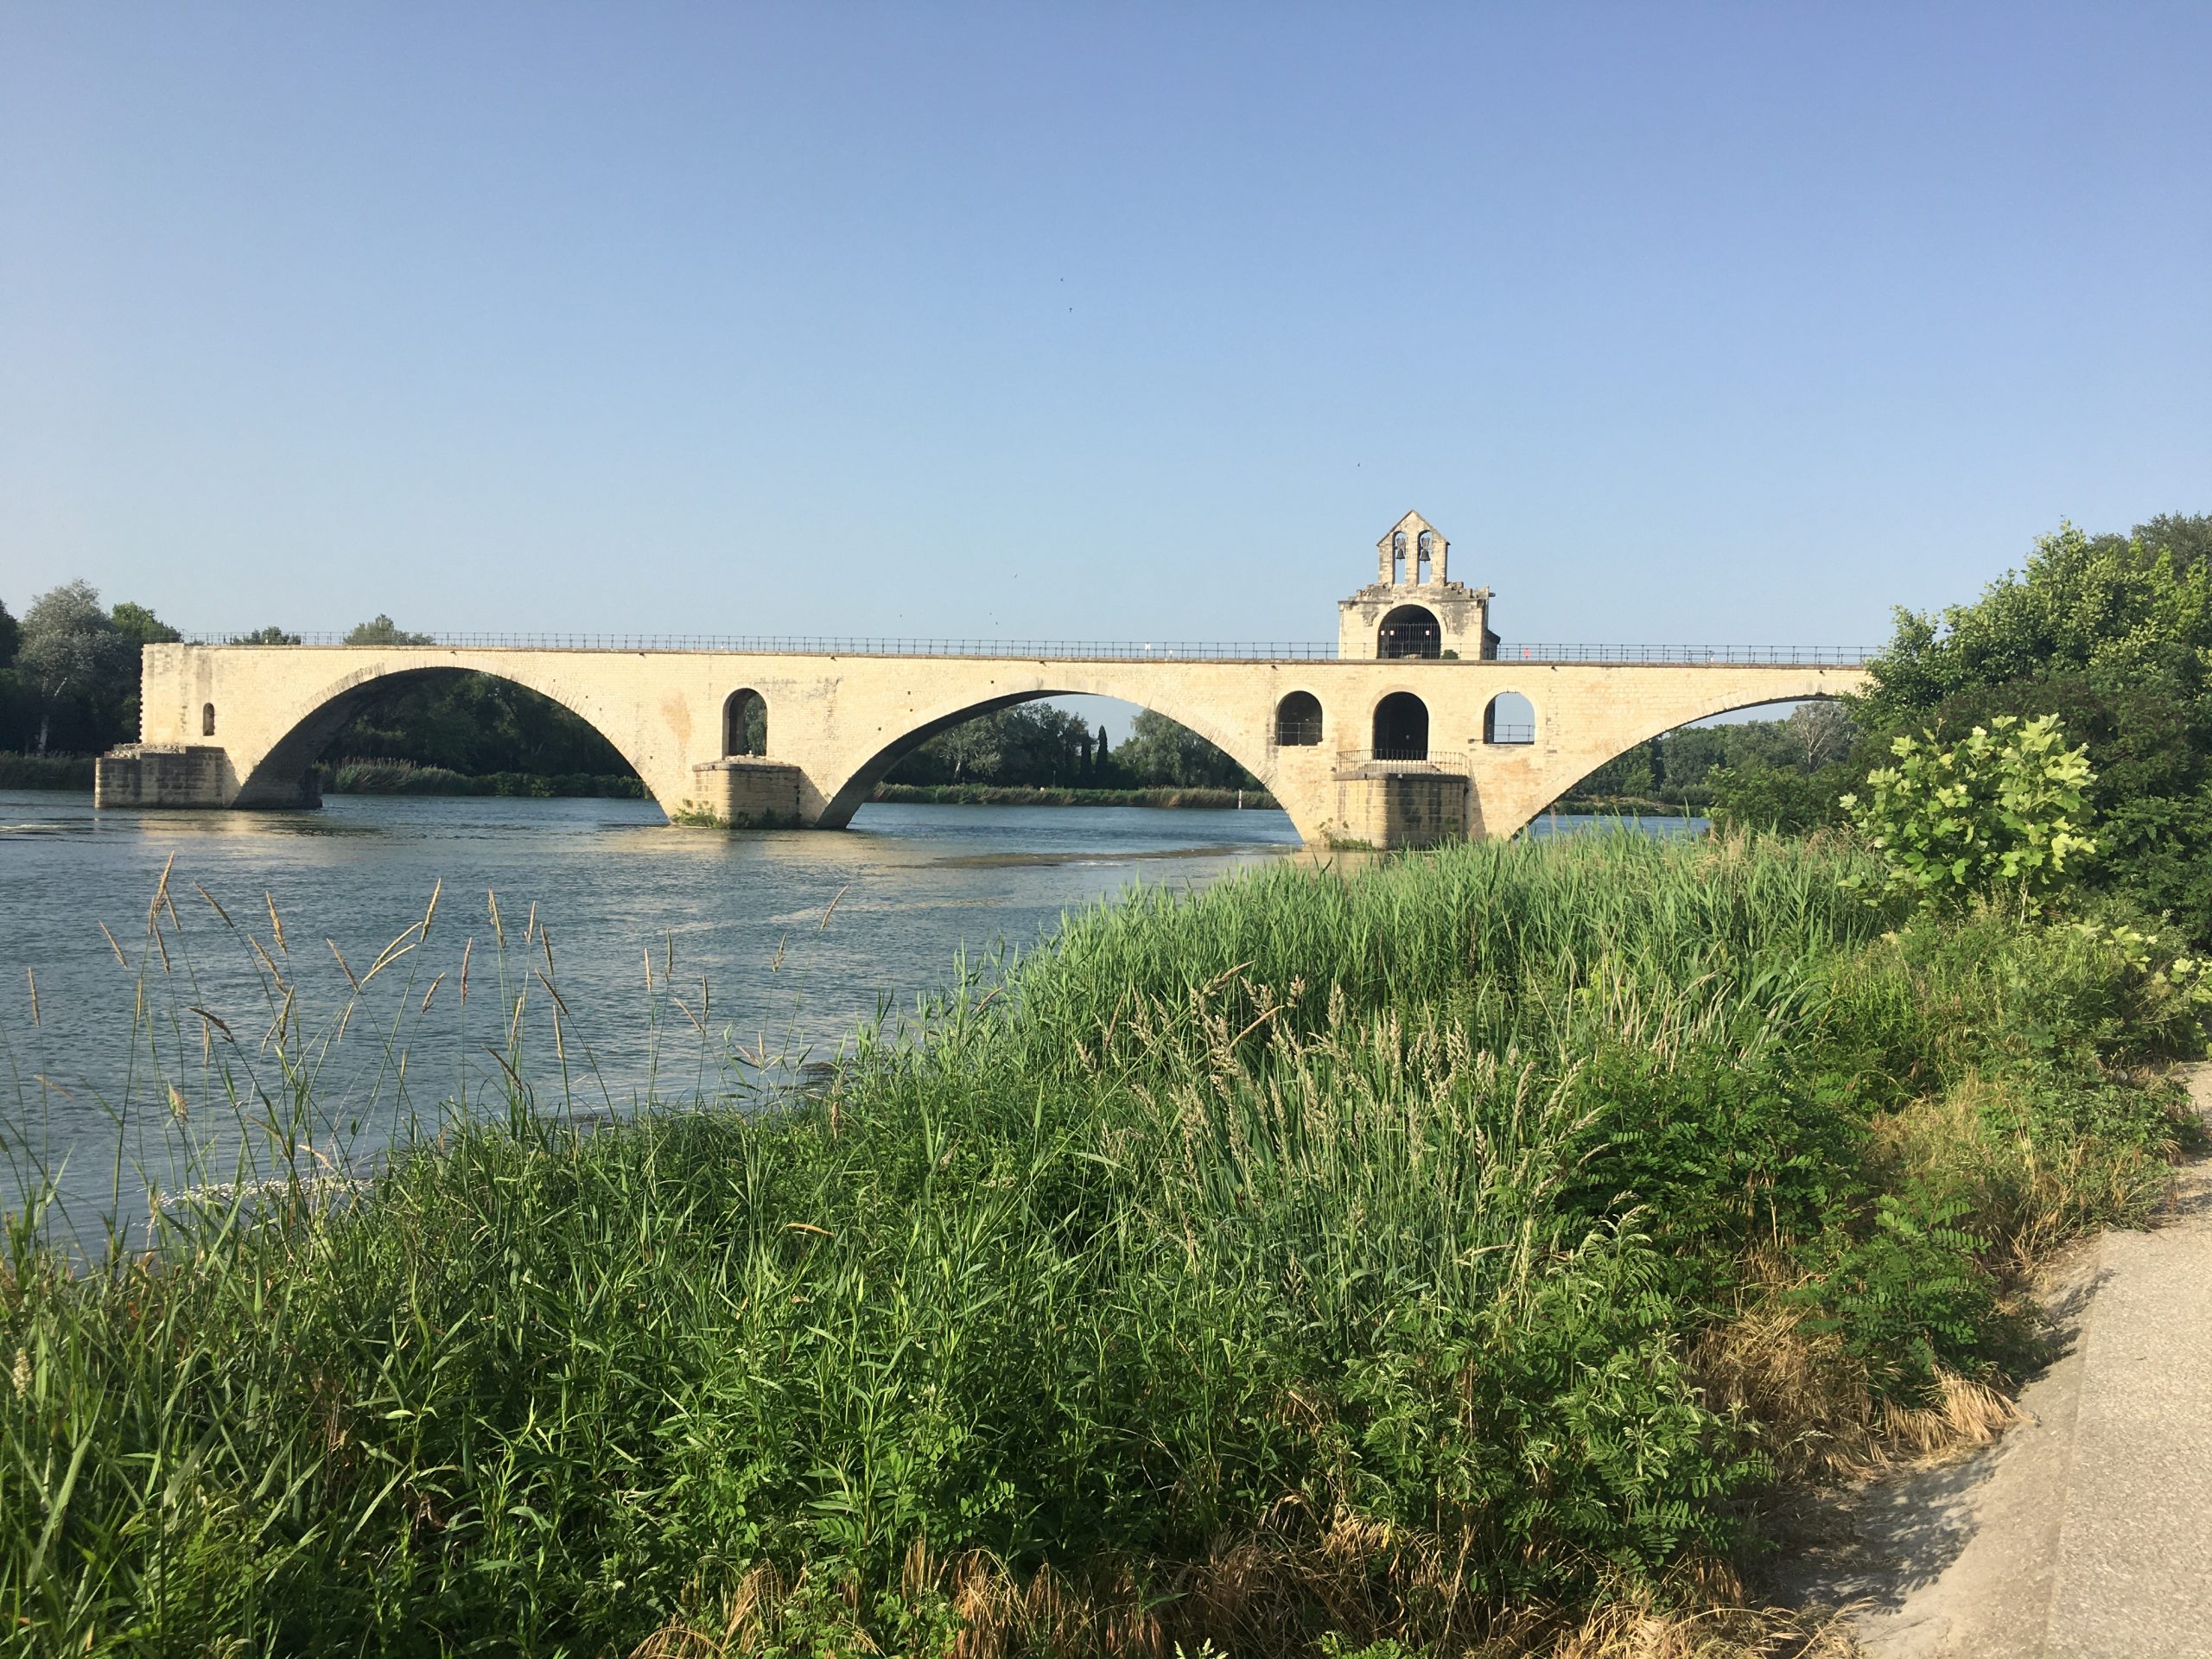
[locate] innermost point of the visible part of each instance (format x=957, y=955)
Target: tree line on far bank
x=1037, y=746
x=69, y=671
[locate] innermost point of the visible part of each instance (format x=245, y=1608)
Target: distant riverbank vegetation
x=1456, y=1253
x=45, y=772
x=1035, y=746
x=1698, y=769
x=1051, y=795
x=373, y=777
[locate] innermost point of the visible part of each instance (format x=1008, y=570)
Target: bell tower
x=1413, y=608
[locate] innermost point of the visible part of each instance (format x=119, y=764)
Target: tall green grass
x=1324, y=1252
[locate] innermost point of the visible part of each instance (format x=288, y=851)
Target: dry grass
x=1254, y=1596
x=1627, y=1631
x=1820, y=1420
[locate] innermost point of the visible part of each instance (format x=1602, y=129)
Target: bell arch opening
x=1402, y=727
x=1509, y=718
x=1298, y=721
x=1410, y=631
x=745, y=723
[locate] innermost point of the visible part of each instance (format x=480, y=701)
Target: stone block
x=148, y=775
x=749, y=792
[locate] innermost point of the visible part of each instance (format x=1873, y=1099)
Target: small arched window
x=207, y=720
x=745, y=723
x=1510, y=718
x=1298, y=721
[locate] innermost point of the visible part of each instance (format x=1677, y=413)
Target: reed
x=1444, y=1253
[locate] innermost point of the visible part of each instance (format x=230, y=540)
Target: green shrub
x=2000, y=809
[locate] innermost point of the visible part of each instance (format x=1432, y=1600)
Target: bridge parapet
x=1078, y=651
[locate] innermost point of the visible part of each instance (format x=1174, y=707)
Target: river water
x=642, y=957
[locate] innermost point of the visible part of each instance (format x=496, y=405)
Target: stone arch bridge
x=1376, y=750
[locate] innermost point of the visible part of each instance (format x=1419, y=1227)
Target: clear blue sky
x=1695, y=324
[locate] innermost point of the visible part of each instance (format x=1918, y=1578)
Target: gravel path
x=2086, y=1533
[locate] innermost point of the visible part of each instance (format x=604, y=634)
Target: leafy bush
x=1909, y=1295
x=1996, y=809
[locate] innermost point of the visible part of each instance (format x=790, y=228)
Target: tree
x=1821, y=732
x=1780, y=798
x=71, y=651
x=136, y=623
x=384, y=632
x=971, y=750
x=270, y=635
x=2187, y=538
x=11, y=635
x=2113, y=635
x=1158, y=751
x=473, y=724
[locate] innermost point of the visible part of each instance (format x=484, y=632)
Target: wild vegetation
x=362, y=777
x=2112, y=634
x=1448, y=1252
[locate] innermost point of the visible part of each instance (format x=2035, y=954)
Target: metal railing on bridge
x=1114, y=650
x=1694, y=656
x=1403, y=759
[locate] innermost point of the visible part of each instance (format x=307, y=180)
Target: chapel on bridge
x=1413, y=608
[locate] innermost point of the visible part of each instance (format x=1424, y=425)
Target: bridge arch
x=1514, y=809
x=278, y=776
x=1092, y=680
x=745, y=723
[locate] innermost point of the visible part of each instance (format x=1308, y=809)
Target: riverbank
x=73, y=771
x=1453, y=1251
x=1028, y=795
x=405, y=778
x=1689, y=804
